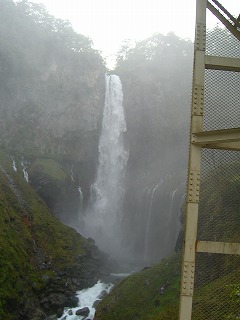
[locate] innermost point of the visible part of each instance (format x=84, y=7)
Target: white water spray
x=71, y=174
x=86, y=298
x=24, y=169
x=14, y=165
x=81, y=197
x=103, y=220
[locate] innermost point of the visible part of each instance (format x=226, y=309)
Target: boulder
x=84, y=312
x=95, y=303
x=70, y=312
x=102, y=294
x=60, y=312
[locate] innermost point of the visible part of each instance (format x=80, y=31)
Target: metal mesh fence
x=220, y=41
x=216, y=287
x=217, y=276
x=219, y=208
x=222, y=100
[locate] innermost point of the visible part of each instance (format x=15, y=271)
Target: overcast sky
x=109, y=22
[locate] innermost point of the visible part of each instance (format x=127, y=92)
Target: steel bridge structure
x=214, y=159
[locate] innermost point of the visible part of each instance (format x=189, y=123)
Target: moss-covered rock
x=42, y=261
x=56, y=187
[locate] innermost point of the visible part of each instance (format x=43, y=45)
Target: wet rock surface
x=84, y=312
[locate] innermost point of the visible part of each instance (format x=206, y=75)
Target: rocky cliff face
x=59, y=118
x=156, y=78
x=43, y=262
x=52, y=97
x=52, y=88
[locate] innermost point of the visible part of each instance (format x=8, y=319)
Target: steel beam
x=192, y=202
x=218, y=247
x=222, y=63
x=228, y=139
x=205, y=138
x=220, y=17
x=232, y=146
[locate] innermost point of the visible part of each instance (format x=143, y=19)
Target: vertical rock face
x=52, y=98
x=53, y=85
x=156, y=78
x=153, y=221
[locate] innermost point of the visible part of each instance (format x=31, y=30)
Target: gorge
x=75, y=143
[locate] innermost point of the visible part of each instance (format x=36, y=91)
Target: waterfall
x=104, y=216
x=172, y=221
x=14, y=164
x=24, y=169
x=81, y=197
x=148, y=222
x=71, y=174
x=155, y=226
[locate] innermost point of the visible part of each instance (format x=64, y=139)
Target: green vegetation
x=34, y=246
x=140, y=296
x=48, y=168
x=146, y=294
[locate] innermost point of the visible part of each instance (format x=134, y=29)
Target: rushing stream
x=86, y=298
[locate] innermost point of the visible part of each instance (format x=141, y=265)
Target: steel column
x=192, y=204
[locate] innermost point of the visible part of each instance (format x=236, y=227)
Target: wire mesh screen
x=216, y=287
x=217, y=276
x=219, y=208
x=222, y=100
x=220, y=41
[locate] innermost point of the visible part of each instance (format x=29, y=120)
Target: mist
x=54, y=110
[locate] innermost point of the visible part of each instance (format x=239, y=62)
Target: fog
x=52, y=108
x=53, y=97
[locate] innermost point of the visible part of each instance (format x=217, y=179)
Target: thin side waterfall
x=14, y=164
x=81, y=197
x=104, y=216
x=24, y=169
x=148, y=223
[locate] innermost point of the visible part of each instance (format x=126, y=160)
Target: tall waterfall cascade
x=104, y=216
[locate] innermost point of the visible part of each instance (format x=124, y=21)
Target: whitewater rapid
x=86, y=298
